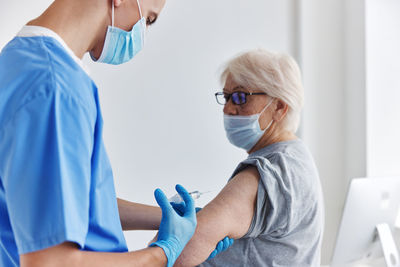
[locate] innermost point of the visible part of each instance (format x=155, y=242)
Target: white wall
x=383, y=87
x=372, y=88
x=322, y=49
x=15, y=14
x=162, y=124
x=355, y=97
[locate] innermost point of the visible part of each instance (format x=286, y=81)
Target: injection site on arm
x=229, y=214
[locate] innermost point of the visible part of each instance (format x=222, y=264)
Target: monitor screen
x=370, y=202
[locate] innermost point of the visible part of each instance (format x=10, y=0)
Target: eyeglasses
x=238, y=98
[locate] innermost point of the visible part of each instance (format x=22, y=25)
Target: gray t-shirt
x=288, y=221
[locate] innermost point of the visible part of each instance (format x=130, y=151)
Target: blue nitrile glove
x=222, y=245
x=180, y=207
x=175, y=230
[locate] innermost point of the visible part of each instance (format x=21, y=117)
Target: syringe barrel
x=178, y=199
x=195, y=194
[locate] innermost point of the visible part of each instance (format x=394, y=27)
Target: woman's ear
x=281, y=110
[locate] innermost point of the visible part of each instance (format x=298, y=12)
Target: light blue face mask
x=121, y=46
x=244, y=131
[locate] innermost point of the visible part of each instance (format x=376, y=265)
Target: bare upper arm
x=68, y=254
x=60, y=255
x=229, y=214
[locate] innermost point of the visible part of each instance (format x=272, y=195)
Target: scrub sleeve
x=49, y=141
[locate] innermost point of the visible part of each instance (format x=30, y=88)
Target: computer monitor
x=369, y=218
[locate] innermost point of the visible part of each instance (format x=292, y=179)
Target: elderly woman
x=273, y=201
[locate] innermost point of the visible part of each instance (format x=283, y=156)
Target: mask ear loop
x=142, y=21
x=140, y=9
x=259, y=115
x=112, y=14
x=269, y=104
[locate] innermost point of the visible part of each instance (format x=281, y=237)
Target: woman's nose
x=230, y=108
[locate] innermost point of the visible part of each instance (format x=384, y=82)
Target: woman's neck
x=272, y=136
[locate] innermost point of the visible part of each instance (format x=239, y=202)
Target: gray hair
x=276, y=74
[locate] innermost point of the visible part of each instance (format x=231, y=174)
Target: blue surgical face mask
x=244, y=131
x=121, y=46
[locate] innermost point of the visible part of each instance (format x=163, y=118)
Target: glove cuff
x=172, y=249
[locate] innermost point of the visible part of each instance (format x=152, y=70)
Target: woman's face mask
x=121, y=46
x=245, y=131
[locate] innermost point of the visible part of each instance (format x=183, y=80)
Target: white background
x=162, y=123
x=383, y=87
x=163, y=126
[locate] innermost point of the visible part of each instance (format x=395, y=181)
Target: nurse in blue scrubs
x=58, y=205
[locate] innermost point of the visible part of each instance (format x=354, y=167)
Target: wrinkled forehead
x=231, y=85
x=239, y=88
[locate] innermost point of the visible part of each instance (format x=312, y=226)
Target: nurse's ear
x=117, y=3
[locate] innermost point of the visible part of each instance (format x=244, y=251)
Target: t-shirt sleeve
x=270, y=214
x=48, y=143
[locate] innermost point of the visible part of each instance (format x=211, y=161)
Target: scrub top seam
x=58, y=43
x=40, y=94
x=7, y=253
x=51, y=65
x=36, y=97
x=54, y=83
x=29, y=31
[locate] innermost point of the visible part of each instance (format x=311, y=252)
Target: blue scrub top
x=56, y=182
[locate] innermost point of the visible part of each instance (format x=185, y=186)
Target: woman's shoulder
x=282, y=160
x=285, y=148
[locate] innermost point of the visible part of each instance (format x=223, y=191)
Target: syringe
x=195, y=195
